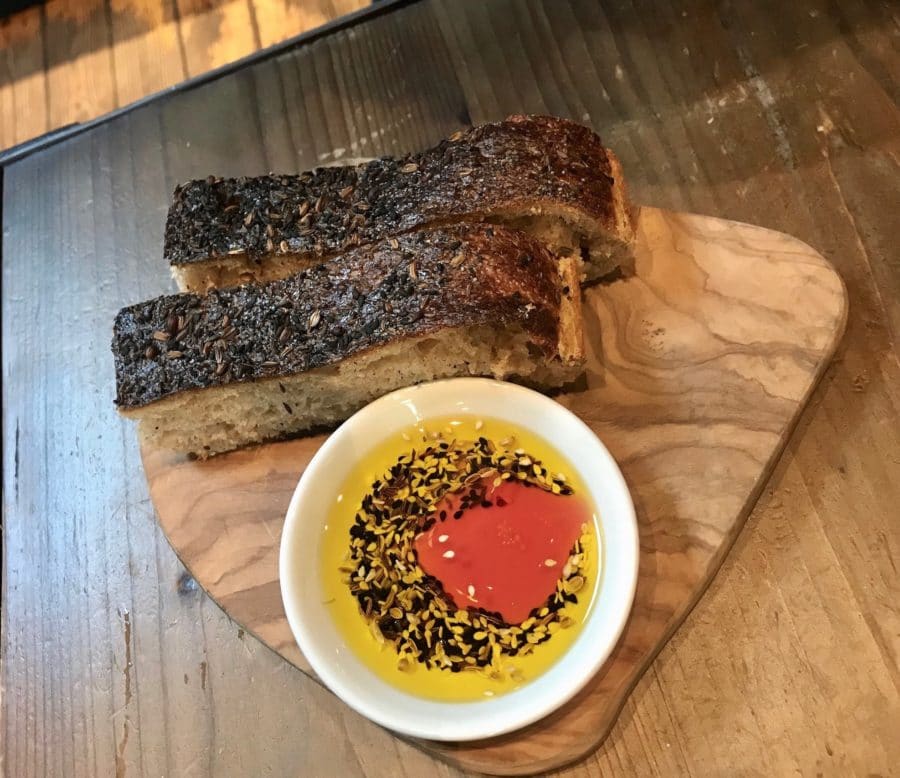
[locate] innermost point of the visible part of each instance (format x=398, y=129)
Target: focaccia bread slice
x=548, y=176
x=208, y=373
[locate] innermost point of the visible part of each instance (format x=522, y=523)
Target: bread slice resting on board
x=204, y=374
x=547, y=176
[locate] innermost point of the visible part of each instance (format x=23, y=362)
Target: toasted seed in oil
x=384, y=575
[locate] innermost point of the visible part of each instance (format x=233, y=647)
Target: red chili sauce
x=506, y=554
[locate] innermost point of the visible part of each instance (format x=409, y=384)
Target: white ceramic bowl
x=301, y=585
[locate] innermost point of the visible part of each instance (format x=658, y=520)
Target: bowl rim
x=464, y=723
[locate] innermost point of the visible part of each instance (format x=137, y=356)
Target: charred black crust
x=400, y=288
x=515, y=163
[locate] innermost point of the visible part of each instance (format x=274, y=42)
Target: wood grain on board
x=778, y=114
x=699, y=367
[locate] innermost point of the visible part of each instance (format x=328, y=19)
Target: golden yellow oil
x=382, y=659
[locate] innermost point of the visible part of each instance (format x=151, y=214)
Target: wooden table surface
x=780, y=114
x=64, y=61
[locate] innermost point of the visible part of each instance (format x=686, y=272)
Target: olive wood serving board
x=698, y=368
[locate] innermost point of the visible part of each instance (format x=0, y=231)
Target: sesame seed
x=550, y=562
x=406, y=609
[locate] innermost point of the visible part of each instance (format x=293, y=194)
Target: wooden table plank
x=79, y=66
x=23, y=80
x=278, y=19
x=213, y=33
x=782, y=116
x=77, y=59
x=147, y=51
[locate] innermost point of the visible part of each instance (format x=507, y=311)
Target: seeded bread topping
x=401, y=288
x=511, y=171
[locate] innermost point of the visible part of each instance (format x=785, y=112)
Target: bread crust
x=400, y=288
x=222, y=231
